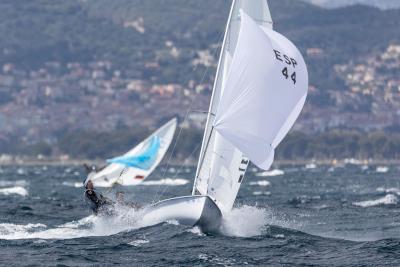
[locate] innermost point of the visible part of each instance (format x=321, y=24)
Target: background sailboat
x=260, y=89
x=137, y=164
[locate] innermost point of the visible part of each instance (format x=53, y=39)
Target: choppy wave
x=4, y=183
x=245, y=221
x=389, y=199
x=166, y=181
x=271, y=173
x=15, y=190
x=261, y=193
x=311, y=166
x=124, y=219
x=250, y=221
x=72, y=184
x=382, y=169
x=389, y=190
x=261, y=183
x=138, y=242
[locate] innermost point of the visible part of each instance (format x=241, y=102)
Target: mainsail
x=135, y=165
x=259, y=91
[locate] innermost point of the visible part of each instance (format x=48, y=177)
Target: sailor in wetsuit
x=96, y=201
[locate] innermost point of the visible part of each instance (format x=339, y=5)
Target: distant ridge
x=382, y=4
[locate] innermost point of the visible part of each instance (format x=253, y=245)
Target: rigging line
x=204, y=156
x=165, y=189
x=186, y=115
x=116, y=181
x=203, y=112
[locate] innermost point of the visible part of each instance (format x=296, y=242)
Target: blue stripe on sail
x=142, y=161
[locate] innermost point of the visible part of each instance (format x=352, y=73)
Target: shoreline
x=277, y=163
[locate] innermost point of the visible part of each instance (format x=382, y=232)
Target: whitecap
x=72, y=184
x=261, y=183
x=196, y=230
x=389, y=199
x=311, y=166
x=260, y=193
x=21, y=171
x=138, y=242
x=166, y=181
x=275, y=172
x=245, y=221
x=364, y=167
x=4, y=183
x=124, y=219
x=382, y=169
x=389, y=190
x=216, y=260
x=16, y=190
x=10, y=229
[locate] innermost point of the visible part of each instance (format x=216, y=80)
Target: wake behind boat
x=259, y=92
x=137, y=164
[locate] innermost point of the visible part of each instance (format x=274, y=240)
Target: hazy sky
x=338, y=3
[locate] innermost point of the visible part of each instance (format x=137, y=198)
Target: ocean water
x=294, y=216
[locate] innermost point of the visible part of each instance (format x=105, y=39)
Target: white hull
x=189, y=210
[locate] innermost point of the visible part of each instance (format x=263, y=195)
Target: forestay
x=138, y=163
x=221, y=165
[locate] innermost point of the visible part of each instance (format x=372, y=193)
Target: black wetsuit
x=96, y=202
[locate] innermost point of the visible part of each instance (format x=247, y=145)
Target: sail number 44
x=285, y=73
x=288, y=61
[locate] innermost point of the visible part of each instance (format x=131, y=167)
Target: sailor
x=96, y=201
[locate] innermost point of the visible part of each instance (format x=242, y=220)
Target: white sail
x=259, y=92
x=265, y=91
x=138, y=163
x=221, y=165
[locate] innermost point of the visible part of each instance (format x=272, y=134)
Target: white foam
x=138, y=242
x=389, y=199
x=382, y=169
x=16, y=190
x=166, y=181
x=72, y=184
x=389, y=190
x=217, y=260
x=21, y=171
x=196, y=230
x=364, y=167
x=124, y=219
x=311, y=166
x=271, y=173
x=4, y=183
x=260, y=183
x=260, y=193
x=245, y=221
x=9, y=228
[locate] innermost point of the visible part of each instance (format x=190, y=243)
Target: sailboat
x=138, y=163
x=260, y=89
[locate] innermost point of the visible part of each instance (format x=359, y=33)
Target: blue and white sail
x=137, y=164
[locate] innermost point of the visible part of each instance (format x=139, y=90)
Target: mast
x=208, y=129
x=221, y=165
